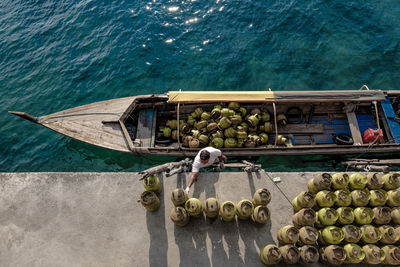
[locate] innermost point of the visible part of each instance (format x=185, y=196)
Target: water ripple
x=56, y=55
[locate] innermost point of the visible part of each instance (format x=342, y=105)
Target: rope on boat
x=376, y=107
x=280, y=190
x=367, y=168
x=377, y=120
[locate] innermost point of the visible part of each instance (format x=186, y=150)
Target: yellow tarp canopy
x=276, y=96
x=220, y=96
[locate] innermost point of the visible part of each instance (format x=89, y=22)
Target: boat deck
x=93, y=219
x=314, y=133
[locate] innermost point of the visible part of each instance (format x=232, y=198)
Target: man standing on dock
x=204, y=158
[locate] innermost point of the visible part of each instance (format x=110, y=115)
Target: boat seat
x=144, y=128
x=353, y=124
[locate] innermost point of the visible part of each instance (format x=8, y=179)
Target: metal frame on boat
x=131, y=124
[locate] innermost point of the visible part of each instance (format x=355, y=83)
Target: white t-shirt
x=214, y=154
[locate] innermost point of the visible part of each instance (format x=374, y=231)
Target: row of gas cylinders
x=229, y=127
x=333, y=254
x=375, y=200
x=342, y=219
x=149, y=198
x=185, y=208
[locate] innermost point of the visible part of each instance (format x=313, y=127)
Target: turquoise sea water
x=60, y=54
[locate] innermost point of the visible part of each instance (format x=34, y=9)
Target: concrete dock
x=94, y=219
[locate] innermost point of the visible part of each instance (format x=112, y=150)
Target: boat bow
x=96, y=124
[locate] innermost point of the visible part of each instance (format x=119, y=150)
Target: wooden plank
x=319, y=108
x=301, y=129
x=144, y=128
x=153, y=134
x=328, y=96
x=387, y=133
x=355, y=130
x=393, y=92
x=317, y=139
x=328, y=149
x=301, y=140
x=390, y=117
x=126, y=135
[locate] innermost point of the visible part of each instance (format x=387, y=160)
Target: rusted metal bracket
x=169, y=168
x=245, y=166
x=186, y=166
x=381, y=165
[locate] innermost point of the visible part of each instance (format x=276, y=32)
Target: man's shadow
x=155, y=222
x=224, y=236
x=206, y=183
x=191, y=238
x=255, y=236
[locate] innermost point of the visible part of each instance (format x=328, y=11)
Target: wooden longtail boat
x=132, y=124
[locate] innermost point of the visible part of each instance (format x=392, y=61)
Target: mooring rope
x=376, y=107
x=280, y=190
x=371, y=144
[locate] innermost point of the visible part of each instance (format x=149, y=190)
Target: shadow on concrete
x=207, y=185
x=218, y=254
x=255, y=237
x=228, y=233
x=213, y=242
x=181, y=180
x=191, y=241
x=251, y=183
x=155, y=221
x=224, y=247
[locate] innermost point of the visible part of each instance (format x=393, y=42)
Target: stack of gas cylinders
x=342, y=219
x=186, y=208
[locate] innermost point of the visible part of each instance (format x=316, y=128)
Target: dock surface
x=94, y=219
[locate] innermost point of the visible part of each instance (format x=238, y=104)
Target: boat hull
x=118, y=125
